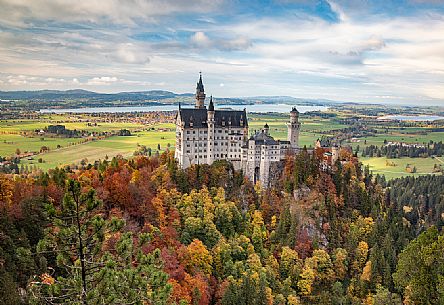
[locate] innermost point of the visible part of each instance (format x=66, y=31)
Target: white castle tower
x=293, y=129
x=200, y=94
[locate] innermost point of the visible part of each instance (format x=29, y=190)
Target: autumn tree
x=89, y=269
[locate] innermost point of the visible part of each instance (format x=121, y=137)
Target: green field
x=400, y=137
x=31, y=125
x=17, y=133
x=72, y=152
x=379, y=166
x=125, y=146
x=10, y=142
x=110, y=147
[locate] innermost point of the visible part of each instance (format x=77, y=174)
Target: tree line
x=399, y=150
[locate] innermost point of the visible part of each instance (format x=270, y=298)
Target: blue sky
x=348, y=50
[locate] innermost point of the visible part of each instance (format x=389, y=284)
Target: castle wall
x=197, y=148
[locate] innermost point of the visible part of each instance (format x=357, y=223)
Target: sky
x=383, y=51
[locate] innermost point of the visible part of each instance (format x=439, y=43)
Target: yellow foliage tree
x=340, y=263
x=305, y=283
x=293, y=300
x=198, y=258
x=361, y=254
x=290, y=263
x=6, y=187
x=367, y=272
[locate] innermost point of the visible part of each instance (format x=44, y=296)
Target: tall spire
x=211, y=105
x=200, y=93
x=200, y=86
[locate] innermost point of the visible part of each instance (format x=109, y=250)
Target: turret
x=334, y=154
x=294, y=115
x=293, y=129
x=266, y=129
x=211, y=109
x=200, y=94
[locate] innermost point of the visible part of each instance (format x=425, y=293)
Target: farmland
x=22, y=134
x=102, y=149
x=394, y=168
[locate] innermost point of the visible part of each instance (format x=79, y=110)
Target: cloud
x=55, y=80
x=102, y=81
x=129, y=53
x=116, y=45
x=201, y=40
x=24, y=81
x=434, y=91
x=20, y=13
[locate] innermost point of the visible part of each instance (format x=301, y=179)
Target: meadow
x=381, y=166
x=397, y=136
x=106, y=148
x=70, y=151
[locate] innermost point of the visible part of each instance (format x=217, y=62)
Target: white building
x=205, y=135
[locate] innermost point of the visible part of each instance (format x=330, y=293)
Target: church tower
x=200, y=94
x=293, y=129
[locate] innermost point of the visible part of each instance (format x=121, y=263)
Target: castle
x=205, y=135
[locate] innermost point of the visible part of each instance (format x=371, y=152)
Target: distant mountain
x=83, y=98
x=57, y=95
x=289, y=99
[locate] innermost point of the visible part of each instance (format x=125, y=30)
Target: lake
x=280, y=108
x=412, y=117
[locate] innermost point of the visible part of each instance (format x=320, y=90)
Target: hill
x=83, y=98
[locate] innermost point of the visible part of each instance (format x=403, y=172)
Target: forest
x=399, y=150
x=144, y=231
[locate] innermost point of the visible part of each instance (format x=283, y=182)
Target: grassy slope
x=10, y=142
x=110, y=147
x=379, y=166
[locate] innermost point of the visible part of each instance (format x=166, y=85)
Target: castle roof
x=211, y=105
x=261, y=138
x=200, y=86
x=222, y=118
